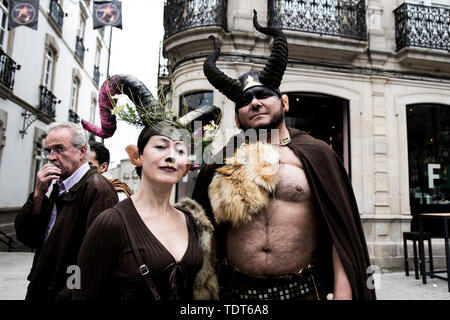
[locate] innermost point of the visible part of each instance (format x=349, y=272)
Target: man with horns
x=287, y=227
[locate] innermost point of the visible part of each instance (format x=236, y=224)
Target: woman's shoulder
x=109, y=220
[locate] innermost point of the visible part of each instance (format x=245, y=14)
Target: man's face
x=92, y=160
x=62, y=153
x=260, y=108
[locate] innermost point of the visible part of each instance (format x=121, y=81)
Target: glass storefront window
x=429, y=159
x=188, y=103
x=195, y=100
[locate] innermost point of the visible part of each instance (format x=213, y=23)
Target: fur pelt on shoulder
x=205, y=284
x=240, y=189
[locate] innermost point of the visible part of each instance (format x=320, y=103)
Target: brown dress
x=109, y=269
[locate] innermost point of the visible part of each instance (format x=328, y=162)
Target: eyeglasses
x=58, y=150
x=259, y=93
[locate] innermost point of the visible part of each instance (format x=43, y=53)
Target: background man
x=99, y=157
x=307, y=240
x=55, y=225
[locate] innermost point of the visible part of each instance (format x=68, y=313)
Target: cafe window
x=429, y=160
x=195, y=100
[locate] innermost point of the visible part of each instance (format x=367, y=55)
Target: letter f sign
x=431, y=175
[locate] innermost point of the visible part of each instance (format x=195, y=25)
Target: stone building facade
x=370, y=77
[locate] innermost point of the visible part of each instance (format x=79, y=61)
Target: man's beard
x=276, y=120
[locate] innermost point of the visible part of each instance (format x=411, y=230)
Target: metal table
x=445, y=217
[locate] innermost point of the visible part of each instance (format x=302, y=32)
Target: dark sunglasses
x=257, y=93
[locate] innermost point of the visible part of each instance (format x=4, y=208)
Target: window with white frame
x=92, y=113
x=37, y=161
x=3, y=24
x=49, y=62
x=97, y=56
x=82, y=27
x=75, y=88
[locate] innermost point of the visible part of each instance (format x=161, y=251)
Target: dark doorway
x=324, y=117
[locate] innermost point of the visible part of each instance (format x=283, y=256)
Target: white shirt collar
x=65, y=185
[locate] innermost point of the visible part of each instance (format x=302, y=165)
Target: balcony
x=73, y=116
x=321, y=29
x=57, y=15
x=47, y=102
x=79, y=49
x=8, y=69
x=163, y=77
x=96, y=75
x=180, y=15
x=422, y=36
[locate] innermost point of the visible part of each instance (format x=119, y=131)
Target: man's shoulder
x=97, y=182
x=96, y=179
x=299, y=137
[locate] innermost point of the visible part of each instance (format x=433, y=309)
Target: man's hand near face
x=44, y=178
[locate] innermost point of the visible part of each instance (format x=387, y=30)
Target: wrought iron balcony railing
x=343, y=18
x=79, y=49
x=422, y=26
x=96, y=75
x=8, y=69
x=73, y=116
x=57, y=14
x=181, y=15
x=47, y=102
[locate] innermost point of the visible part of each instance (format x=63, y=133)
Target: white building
x=61, y=67
x=370, y=77
x=125, y=171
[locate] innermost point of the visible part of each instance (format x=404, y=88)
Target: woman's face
x=164, y=161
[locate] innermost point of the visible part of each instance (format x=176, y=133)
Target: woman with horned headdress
x=144, y=247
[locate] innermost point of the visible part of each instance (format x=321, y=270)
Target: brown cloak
x=335, y=201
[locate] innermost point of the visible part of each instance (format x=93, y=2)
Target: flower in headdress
x=210, y=131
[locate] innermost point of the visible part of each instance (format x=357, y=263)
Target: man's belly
x=279, y=242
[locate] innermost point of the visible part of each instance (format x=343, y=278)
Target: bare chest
x=292, y=182
x=282, y=239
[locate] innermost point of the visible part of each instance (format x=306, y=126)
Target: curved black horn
x=273, y=71
x=117, y=84
x=231, y=88
x=204, y=114
x=138, y=93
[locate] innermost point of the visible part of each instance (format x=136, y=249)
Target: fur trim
x=205, y=284
x=240, y=189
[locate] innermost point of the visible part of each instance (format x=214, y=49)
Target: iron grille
x=79, y=49
x=73, y=116
x=8, y=69
x=47, y=102
x=57, y=14
x=181, y=15
x=422, y=26
x=96, y=75
x=343, y=18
